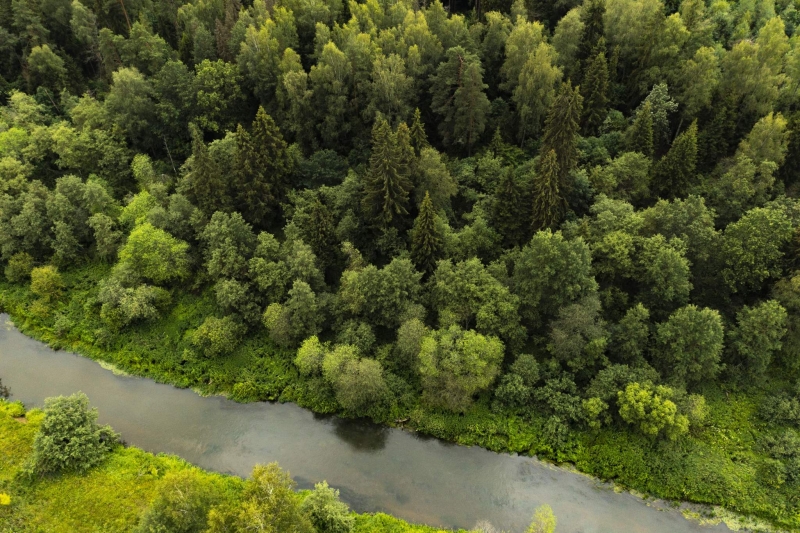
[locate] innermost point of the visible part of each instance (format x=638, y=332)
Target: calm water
x=376, y=469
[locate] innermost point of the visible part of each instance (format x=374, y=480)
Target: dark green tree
x=561, y=132
x=418, y=136
x=387, y=186
x=593, y=31
x=426, y=241
x=320, y=233
x=205, y=183
x=595, y=90
x=640, y=134
x=674, y=174
x=548, y=204
x=510, y=210
x=262, y=168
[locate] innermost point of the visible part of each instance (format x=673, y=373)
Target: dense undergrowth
x=722, y=463
x=112, y=496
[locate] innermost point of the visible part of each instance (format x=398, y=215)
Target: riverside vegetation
x=62, y=472
x=564, y=229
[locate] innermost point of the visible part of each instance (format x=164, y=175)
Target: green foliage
x=181, y=505
x=217, y=336
x=544, y=520
x=327, y=513
x=456, y=364
x=19, y=267
x=69, y=438
x=548, y=203
x=426, y=242
x=387, y=181
x=651, y=410
x=674, y=174
x=46, y=283
x=690, y=344
x=561, y=130
x=758, y=334
x=155, y=255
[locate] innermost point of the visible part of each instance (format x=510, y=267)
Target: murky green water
x=377, y=469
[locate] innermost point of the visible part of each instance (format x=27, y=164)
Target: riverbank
x=717, y=465
x=112, y=496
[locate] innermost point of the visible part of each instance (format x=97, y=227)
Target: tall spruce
x=205, y=184
x=593, y=32
x=674, y=174
x=387, y=184
x=561, y=132
x=640, y=134
x=419, y=139
x=548, y=204
x=405, y=151
x=510, y=210
x=320, y=233
x=595, y=90
x=262, y=169
x=426, y=241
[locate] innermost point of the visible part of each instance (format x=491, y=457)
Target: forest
x=554, y=228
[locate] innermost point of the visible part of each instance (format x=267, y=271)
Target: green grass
x=718, y=464
x=111, y=497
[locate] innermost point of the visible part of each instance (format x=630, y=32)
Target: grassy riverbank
x=112, y=496
x=721, y=463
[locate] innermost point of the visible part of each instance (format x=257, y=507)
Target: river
x=377, y=469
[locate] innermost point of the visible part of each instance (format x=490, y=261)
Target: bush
x=46, y=283
x=216, y=336
x=327, y=513
x=69, y=438
x=19, y=267
x=181, y=505
x=15, y=409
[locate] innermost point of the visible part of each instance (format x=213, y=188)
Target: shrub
x=181, y=505
x=46, y=283
x=19, y=267
x=216, y=336
x=327, y=513
x=69, y=438
x=15, y=409
x=650, y=409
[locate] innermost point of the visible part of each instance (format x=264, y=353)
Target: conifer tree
x=205, y=184
x=674, y=174
x=262, y=168
x=320, y=233
x=548, y=203
x=561, y=130
x=510, y=211
x=426, y=242
x=595, y=90
x=640, y=134
x=387, y=187
x=419, y=138
x=405, y=151
x=593, y=31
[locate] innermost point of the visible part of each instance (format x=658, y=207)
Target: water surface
x=377, y=469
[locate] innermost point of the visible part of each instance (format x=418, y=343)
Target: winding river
x=377, y=469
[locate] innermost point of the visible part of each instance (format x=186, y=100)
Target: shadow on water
x=361, y=435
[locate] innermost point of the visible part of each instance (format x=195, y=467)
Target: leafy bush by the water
x=69, y=438
x=327, y=513
x=181, y=505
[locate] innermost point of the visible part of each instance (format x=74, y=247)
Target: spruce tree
x=640, y=134
x=387, y=187
x=320, y=233
x=419, y=138
x=561, y=132
x=548, y=203
x=674, y=174
x=405, y=151
x=510, y=210
x=205, y=184
x=262, y=168
x=595, y=90
x=593, y=31
x=426, y=242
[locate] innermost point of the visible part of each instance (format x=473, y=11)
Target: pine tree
x=262, y=168
x=561, y=131
x=387, y=187
x=640, y=134
x=205, y=184
x=593, y=31
x=595, y=90
x=471, y=106
x=674, y=174
x=548, y=203
x=419, y=138
x=426, y=242
x=510, y=210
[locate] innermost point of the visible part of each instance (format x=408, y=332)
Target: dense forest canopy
x=584, y=213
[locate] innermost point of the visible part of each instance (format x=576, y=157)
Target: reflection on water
x=376, y=469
